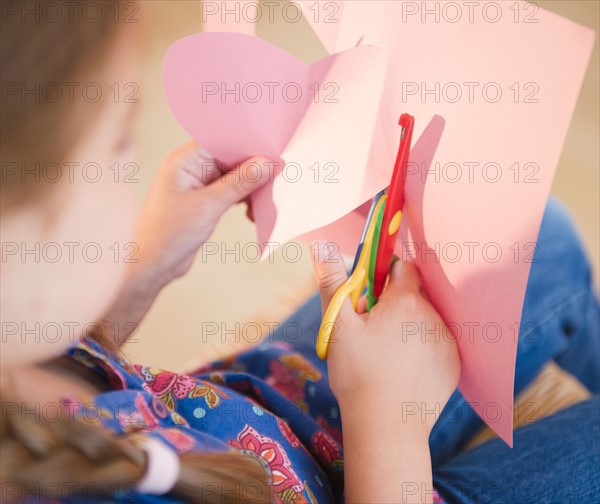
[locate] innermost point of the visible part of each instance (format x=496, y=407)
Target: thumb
x=329, y=268
x=239, y=183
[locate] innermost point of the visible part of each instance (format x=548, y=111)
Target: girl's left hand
x=188, y=197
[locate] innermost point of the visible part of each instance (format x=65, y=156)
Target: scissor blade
x=366, y=227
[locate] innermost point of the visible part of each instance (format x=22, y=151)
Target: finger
x=238, y=183
x=330, y=270
x=404, y=277
x=177, y=154
x=362, y=305
x=249, y=211
x=191, y=167
x=212, y=170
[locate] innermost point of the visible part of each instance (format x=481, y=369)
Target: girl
x=264, y=426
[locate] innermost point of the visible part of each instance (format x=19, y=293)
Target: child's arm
x=392, y=371
x=188, y=197
x=386, y=460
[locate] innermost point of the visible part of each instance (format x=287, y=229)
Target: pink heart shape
x=239, y=95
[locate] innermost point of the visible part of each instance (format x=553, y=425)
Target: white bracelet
x=162, y=470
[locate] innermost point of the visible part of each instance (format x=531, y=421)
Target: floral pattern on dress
x=302, y=366
x=327, y=449
x=289, y=374
x=333, y=431
x=139, y=417
x=180, y=440
x=212, y=395
x=283, y=476
x=172, y=386
x=165, y=384
x=288, y=433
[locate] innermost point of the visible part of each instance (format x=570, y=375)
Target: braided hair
x=72, y=457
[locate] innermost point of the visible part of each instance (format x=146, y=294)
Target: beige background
x=243, y=298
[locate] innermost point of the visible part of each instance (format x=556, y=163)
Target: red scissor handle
x=393, y=208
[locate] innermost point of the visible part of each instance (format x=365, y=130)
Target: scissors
x=371, y=298
x=365, y=230
x=376, y=248
x=355, y=285
x=392, y=216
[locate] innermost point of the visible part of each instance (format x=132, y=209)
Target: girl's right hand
x=399, y=358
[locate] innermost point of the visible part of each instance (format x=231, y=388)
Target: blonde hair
x=34, y=451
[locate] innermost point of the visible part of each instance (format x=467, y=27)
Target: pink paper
x=240, y=96
x=538, y=63
x=483, y=162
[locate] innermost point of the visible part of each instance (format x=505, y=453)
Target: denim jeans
x=556, y=459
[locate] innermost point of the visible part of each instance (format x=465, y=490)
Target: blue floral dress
x=270, y=400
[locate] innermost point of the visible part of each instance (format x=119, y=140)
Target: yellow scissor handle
x=352, y=287
x=354, y=284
